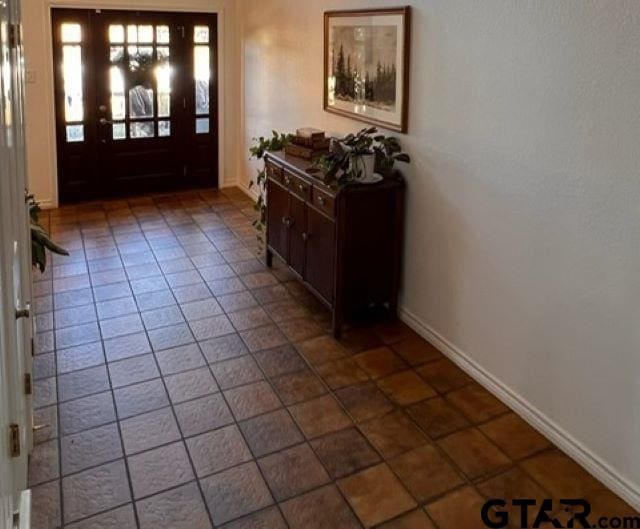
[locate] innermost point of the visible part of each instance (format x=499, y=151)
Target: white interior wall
x=522, y=256
x=40, y=111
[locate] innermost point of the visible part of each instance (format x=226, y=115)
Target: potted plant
x=262, y=145
x=40, y=239
x=365, y=157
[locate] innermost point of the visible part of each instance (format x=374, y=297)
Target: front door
x=136, y=101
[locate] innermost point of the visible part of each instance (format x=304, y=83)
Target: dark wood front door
x=136, y=101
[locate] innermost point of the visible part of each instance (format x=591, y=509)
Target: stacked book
x=308, y=143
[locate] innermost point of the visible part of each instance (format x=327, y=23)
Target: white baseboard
x=46, y=203
x=626, y=489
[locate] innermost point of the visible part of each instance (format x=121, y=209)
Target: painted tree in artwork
x=340, y=74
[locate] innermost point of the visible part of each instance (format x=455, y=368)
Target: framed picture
x=366, y=65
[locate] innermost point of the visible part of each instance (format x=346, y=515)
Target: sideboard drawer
x=274, y=171
x=323, y=201
x=297, y=185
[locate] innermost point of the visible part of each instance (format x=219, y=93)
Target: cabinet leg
x=269, y=258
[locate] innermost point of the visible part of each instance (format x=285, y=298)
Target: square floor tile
x=560, y=475
x=285, y=310
x=263, y=338
x=79, y=357
x=412, y=520
x=121, y=326
x=322, y=349
x=227, y=286
x=95, y=490
x=416, y=351
x=191, y=293
x=87, y=412
x=201, y=415
x=380, y=362
x=223, y=348
x=149, y=430
x=159, y=469
x=319, y=509
x=476, y=403
x=133, y=370
x=162, y=317
x=155, y=300
x=298, y=387
x=473, y=453
x=180, y=508
x=236, y=372
x=437, y=417
x=250, y=400
x=214, y=451
x=301, y=329
x=406, y=387
x=190, y=385
x=197, y=310
x=280, y=360
x=43, y=462
x=393, y=434
x=460, y=508
x=126, y=346
x=292, y=471
x=171, y=336
x=376, y=495
x=116, y=307
x=443, y=375
x=120, y=518
x=510, y=485
x=344, y=452
x=140, y=398
x=269, y=518
x=45, y=510
x=320, y=416
x=73, y=316
x=182, y=358
x=235, y=492
x=249, y=318
x=89, y=448
x=341, y=373
x=425, y=472
x=270, y=432
x=364, y=401
x=212, y=327
x=514, y=436
x=77, y=335
x=82, y=383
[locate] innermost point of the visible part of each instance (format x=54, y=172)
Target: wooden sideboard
x=344, y=243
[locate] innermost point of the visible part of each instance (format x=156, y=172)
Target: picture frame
x=367, y=65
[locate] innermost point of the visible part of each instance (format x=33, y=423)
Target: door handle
x=105, y=121
x=23, y=312
x=305, y=236
x=287, y=222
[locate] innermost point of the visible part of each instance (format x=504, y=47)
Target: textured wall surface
x=40, y=118
x=523, y=214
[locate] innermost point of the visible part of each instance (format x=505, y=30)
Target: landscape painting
x=366, y=65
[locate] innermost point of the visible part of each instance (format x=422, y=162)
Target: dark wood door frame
x=97, y=167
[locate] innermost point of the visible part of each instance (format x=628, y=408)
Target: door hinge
x=14, y=441
x=182, y=31
x=14, y=35
x=28, y=387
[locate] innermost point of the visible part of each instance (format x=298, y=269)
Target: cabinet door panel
x=277, y=214
x=297, y=212
x=320, y=253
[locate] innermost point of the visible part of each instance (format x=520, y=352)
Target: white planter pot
x=364, y=164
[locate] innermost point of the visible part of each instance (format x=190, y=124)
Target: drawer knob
x=321, y=201
x=287, y=180
x=286, y=221
x=305, y=236
x=300, y=187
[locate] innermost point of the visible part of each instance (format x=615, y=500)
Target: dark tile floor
x=185, y=385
